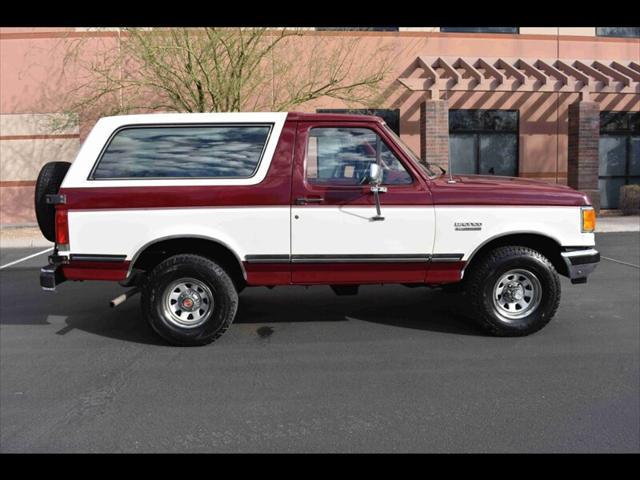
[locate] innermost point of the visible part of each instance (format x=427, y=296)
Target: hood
x=497, y=190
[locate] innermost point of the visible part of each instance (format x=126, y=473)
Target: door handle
x=305, y=200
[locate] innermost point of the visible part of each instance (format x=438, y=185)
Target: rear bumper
x=581, y=263
x=51, y=276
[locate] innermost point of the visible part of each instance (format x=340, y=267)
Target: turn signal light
x=62, y=228
x=588, y=220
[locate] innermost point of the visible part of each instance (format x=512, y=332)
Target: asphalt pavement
x=393, y=369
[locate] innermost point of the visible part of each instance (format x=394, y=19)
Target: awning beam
x=513, y=75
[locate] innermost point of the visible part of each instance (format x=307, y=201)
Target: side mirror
x=375, y=174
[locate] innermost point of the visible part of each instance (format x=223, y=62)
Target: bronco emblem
x=466, y=226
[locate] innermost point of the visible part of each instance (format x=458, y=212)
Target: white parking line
x=26, y=258
x=623, y=263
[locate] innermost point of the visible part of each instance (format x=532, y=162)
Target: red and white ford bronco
x=190, y=209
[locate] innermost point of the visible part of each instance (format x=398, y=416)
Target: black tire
x=483, y=276
x=48, y=183
x=221, y=288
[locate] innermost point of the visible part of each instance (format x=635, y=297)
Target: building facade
x=556, y=104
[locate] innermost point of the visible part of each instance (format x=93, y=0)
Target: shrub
x=630, y=199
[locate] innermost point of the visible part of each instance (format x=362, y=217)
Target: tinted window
x=355, y=29
x=484, y=142
x=619, y=161
x=483, y=120
x=480, y=29
x=390, y=116
x=184, y=152
x=618, y=31
x=343, y=156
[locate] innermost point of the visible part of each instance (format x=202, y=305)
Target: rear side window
x=211, y=151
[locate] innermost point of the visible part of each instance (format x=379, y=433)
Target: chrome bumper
x=580, y=263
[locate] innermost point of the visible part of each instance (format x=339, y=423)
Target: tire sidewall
x=223, y=311
x=541, y=315
x=48, y=182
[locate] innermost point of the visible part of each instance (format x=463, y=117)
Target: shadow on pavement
x=397, y=306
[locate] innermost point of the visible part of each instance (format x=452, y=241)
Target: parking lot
x=393, y=369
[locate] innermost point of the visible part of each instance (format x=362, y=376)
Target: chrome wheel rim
x=517, y=294
x=188, y=303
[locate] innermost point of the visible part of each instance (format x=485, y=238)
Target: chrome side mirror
x=375, y=174
x=375, y=180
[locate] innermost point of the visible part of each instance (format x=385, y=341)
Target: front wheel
x=189, y=300
x=514, y=290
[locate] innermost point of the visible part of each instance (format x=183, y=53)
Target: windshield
x=425, y=166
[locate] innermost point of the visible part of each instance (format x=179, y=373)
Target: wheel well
x=155, y=253
x=545, y=245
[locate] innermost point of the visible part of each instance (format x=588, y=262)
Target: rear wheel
x=189, y=300
x=514, y=290
x=48, y=183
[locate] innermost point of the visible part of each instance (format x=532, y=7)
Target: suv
x=189, y=209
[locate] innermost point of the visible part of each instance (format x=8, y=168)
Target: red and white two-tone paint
x=277, y=227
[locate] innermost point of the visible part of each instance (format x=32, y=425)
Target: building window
x=480, y=29
x=618, y=32
x=484, y=142
x=390, y=116
x=212, y=151
x=619, y=158
x=358, y=29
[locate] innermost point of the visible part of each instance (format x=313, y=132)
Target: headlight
x=588, y=215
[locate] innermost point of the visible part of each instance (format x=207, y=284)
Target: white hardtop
x=214, y=117
x=77, y=176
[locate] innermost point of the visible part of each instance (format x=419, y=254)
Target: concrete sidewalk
x=22, y=237
x=30, y=236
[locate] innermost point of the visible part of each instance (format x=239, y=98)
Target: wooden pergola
x=497, y=74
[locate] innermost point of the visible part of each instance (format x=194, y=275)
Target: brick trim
x=40, y=137
x=17, y=183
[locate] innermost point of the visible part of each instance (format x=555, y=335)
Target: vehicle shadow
x=395, y=306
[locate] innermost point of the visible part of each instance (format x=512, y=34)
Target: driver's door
x=335, y=236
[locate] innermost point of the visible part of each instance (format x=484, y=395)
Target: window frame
x=91, y=177
x=484, y=131
x=323, y=186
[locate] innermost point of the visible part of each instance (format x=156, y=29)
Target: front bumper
x=580, y=263
x=51, y=275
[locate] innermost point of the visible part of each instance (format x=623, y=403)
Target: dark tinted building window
x=483, y=142
x=619, y=158
x=618, y=31
x=363, y=29
x=220, y=151
x=480, y=29
x=390, y=116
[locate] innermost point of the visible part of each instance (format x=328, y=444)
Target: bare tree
x=218, y=69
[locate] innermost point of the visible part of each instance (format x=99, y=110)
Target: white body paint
x=251, y=230
x=350, y=230
x=561, y=224
x=321, y=230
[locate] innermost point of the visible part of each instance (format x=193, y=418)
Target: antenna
x=450, y=180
